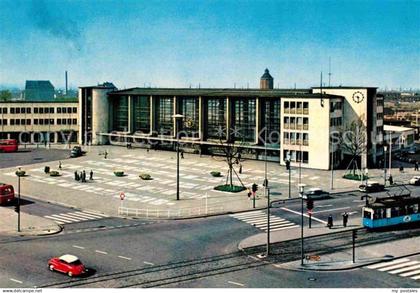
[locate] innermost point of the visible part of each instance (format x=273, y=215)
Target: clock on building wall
x=358, y=97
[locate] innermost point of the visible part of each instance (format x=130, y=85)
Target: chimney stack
x=266, y=81
x=66, y=83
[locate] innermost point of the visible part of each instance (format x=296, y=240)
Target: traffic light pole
x=310, y=220
x=268, y=222
x=289, y=182
x=354, y=245
x=18, y=203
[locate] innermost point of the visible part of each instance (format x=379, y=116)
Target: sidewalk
x=365, y=255
x=30, y=225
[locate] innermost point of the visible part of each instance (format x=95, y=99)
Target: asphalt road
x=183, y=253
x=32, y=156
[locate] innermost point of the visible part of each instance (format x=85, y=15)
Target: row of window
x=39, y=110
x=296, y=107
x=296, y=156
x=295, y=138
x=299, y=123
x=39, y=121
x=394, y=212
x=337, y=121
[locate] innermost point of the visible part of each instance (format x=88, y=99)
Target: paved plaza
x=159, y=195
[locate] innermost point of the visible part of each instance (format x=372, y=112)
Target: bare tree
x=231, y=155
x=353, y=141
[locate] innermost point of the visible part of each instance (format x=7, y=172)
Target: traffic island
x=230, y=188
x=30, y=225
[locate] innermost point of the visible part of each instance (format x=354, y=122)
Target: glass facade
x=164, y=111
x=244, y=120
x=141, y=113
x=190, y=122
x=216, y=118
x=271, y=118
x=120, y=113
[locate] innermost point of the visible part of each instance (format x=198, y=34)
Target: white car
x=415, y=180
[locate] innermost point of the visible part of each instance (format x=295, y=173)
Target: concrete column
x=175, y=111
x=152, y=114
x=258, y=121
x=130, y=111
x=228, y=117
x=100, y=117
x=200, y=117
x=80, y=116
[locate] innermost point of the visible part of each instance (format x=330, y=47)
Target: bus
x=391, y=211
x=7, y=194
x=8, y=145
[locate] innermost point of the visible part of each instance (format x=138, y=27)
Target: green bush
x=145, y=176
x=119, y=173
x=355, y=177
x=228, y=188
x=54, y=173
x=215, y=174
x=20, y=173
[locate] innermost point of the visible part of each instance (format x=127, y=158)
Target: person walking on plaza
x=416, y=166
x=105, y=154
x=345, y=219
x=91, y=175
x=330, y=221
x=84, y=176
x=391, y=181
x=76, y=176
x=240, y=168
x=59, y=165
x=182, y=154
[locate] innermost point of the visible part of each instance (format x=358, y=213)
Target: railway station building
x=285, y=124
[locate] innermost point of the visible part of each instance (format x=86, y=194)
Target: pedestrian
x=330, y=221
x=249, y=193
x=182, y=154
x=147, y=150
x=240, y=168
x=59, y=165
x=345, y=219
x=416, y=166
x=91, y=175
x=401, y=169
x=84, y=176
x=75, y=175
x=391, y=181
x=105, y=154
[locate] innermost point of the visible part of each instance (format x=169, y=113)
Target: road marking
x=405, y=269
x=410, y=273
x=235, y=283
x=57, y=219
x=149, y=263
x=17, y=281
x=80, y=247
x=284, y=228
x=385, y=264
x=297, y=213
x=330, y=210
x=101, y=252
x=324, y=206
x=127, y=258
x=397, y=266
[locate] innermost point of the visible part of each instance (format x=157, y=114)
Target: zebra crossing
x=74, y=217
x=258, y=219
x=403, y=267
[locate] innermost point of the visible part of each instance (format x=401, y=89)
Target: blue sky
x=213, y=43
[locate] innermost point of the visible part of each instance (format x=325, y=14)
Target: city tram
x=391, y=211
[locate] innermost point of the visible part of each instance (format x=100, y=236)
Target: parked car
x=67, y=264
x=371, y=187
x=415, y=180
x=76, y=152
x=316, y=193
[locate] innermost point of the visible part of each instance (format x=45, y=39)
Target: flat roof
x=41, y=102
x=345, y=87
x=292, y=93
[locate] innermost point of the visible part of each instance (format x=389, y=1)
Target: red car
x=68, y=264
x=7, y=193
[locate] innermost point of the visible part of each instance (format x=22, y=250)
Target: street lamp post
x=385, y=149
x=177, y=117
x=301, y=189
x=290, y=167
x=18, y=200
